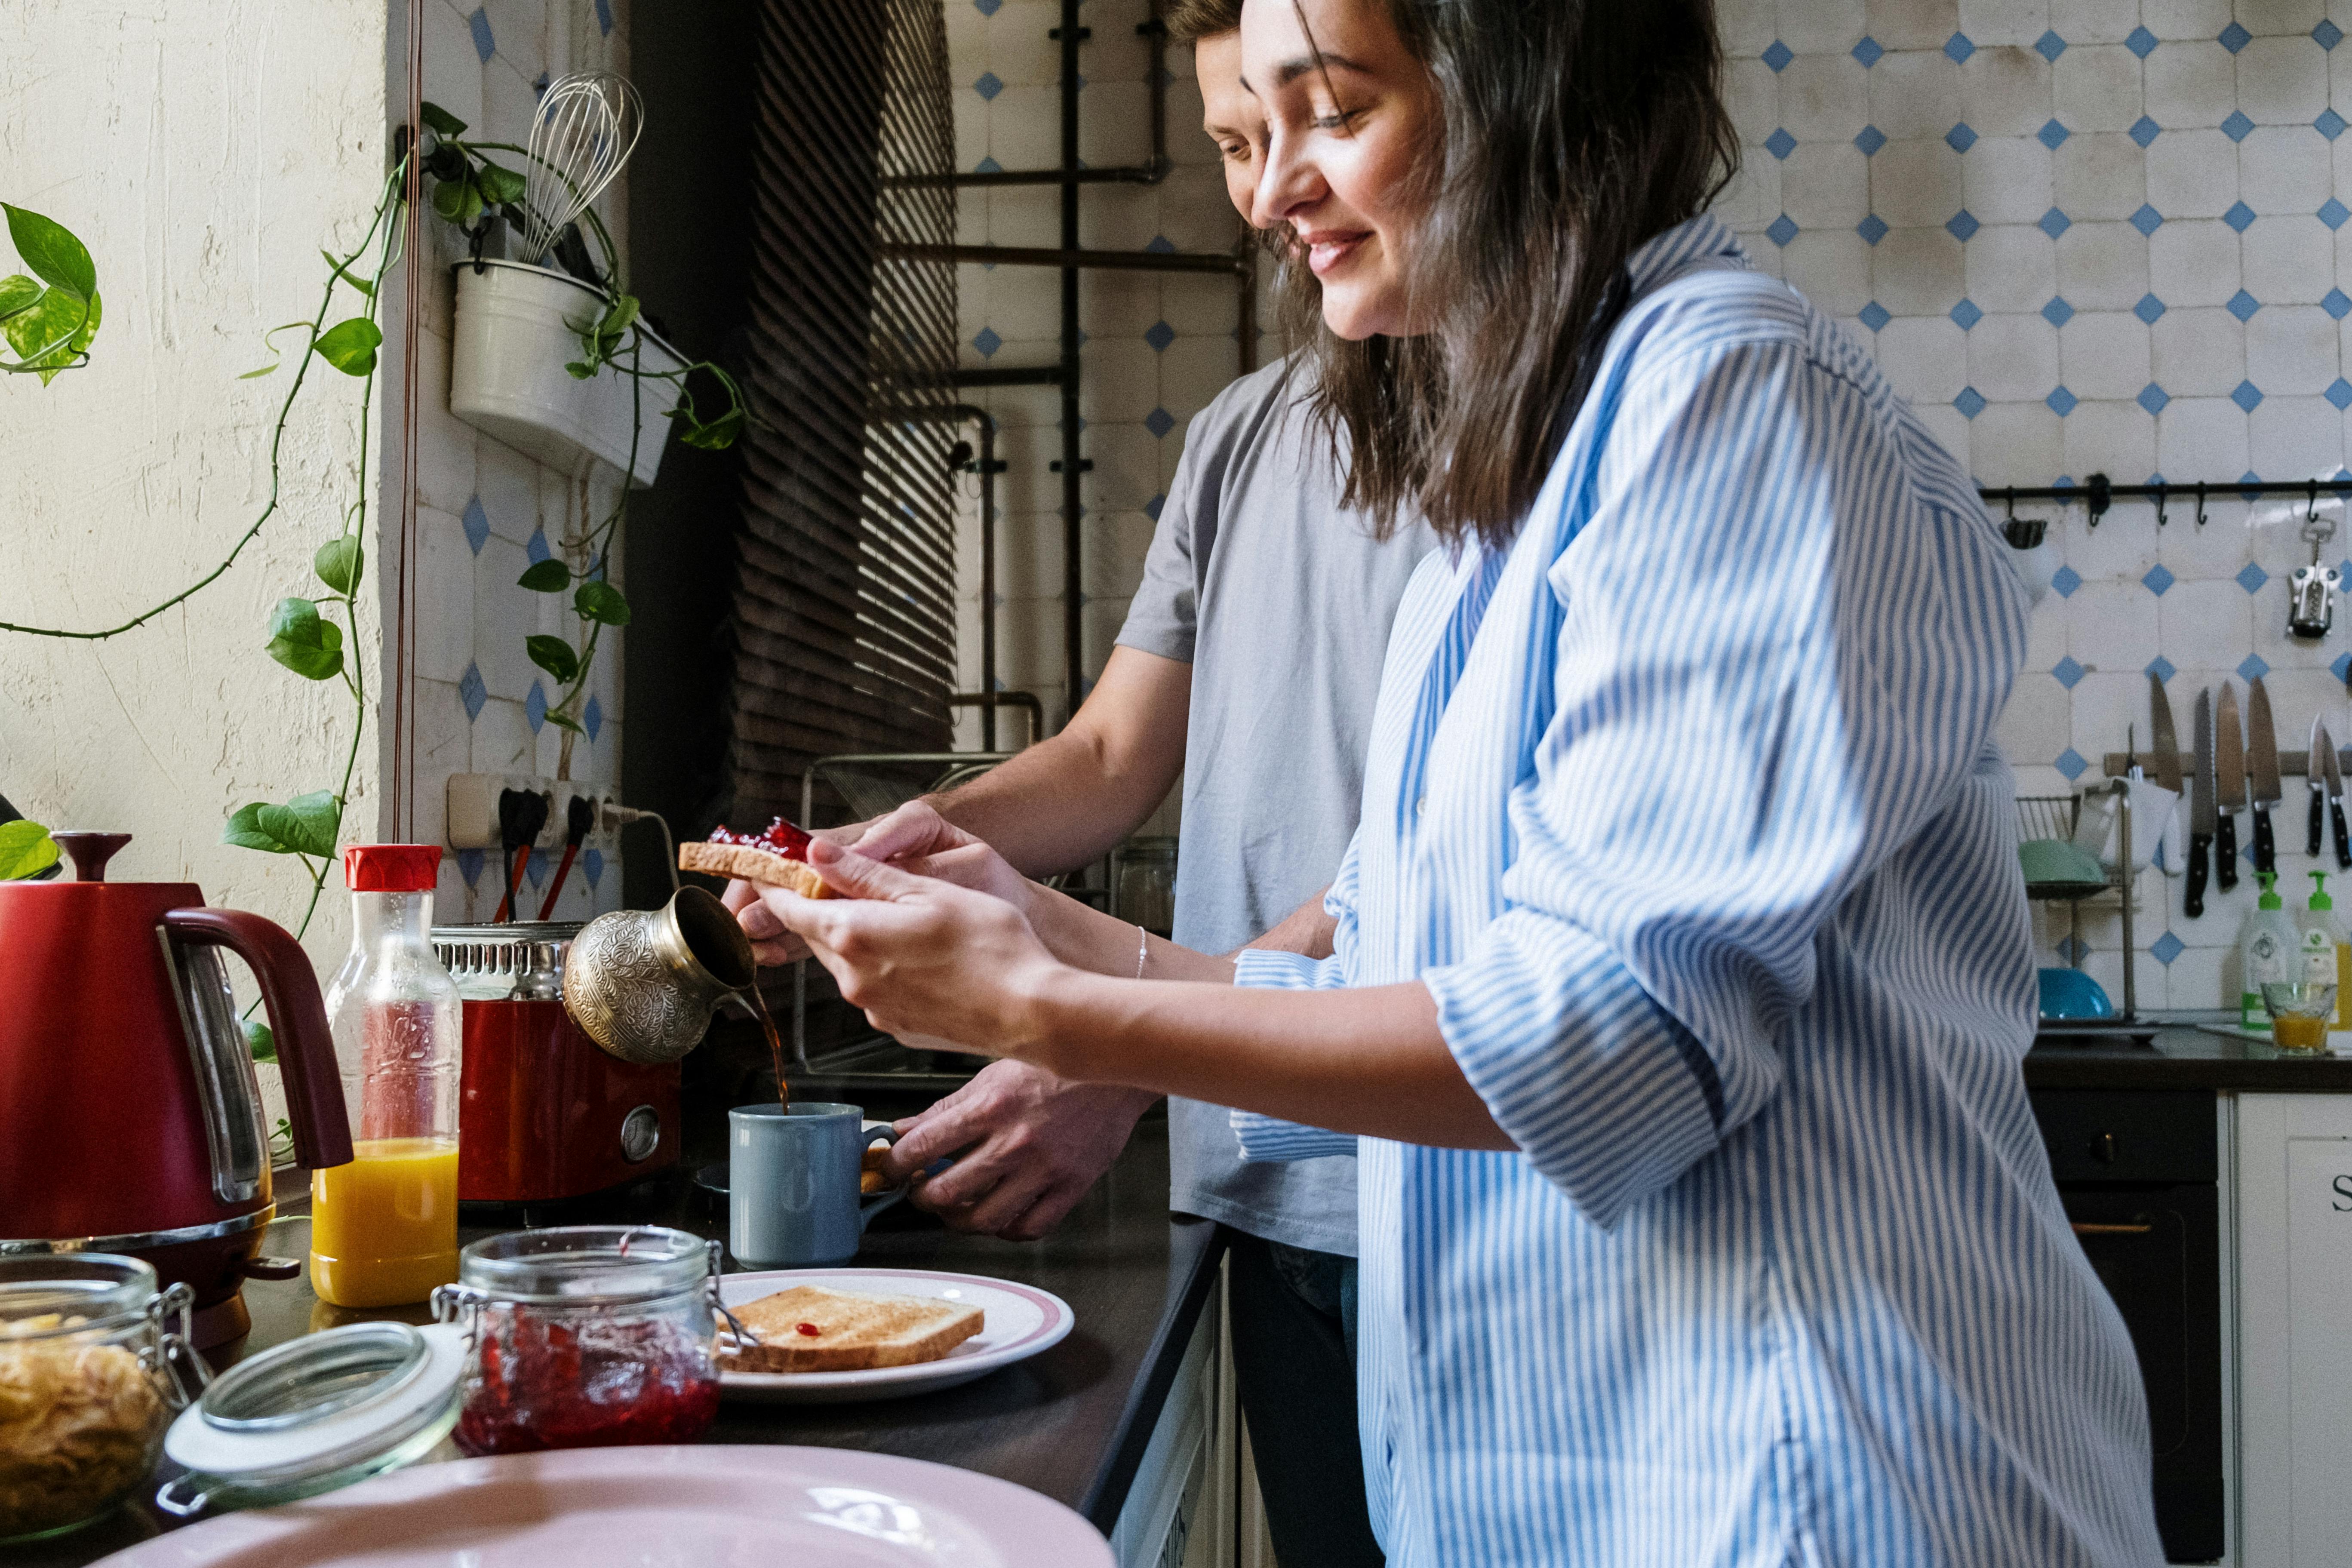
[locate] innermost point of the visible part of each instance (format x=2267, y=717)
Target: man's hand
x=1032, y=1145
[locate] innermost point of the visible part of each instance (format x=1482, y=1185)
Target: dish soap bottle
x=383, y=1228
x=2326, y=956
x=2269, y=952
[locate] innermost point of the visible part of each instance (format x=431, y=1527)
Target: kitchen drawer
x=2127, y=1135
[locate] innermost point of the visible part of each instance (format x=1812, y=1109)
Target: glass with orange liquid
x=383, y=1228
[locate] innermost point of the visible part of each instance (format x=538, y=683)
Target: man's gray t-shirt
x=1281, y=601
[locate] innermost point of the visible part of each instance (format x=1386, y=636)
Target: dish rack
x=2058, y=816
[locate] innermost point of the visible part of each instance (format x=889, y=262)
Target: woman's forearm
x=1085, y=938
x=1367, y=1061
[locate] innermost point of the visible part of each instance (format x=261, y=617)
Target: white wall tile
x=2290, y=350
x=2263, y=16
x=2283, y=80
x=1116, y=129
x=1024, y=127
x=2012, y=268
x=2037, y=723
x=2093, y=21
x=1751, y=91
x=2008, y=179
x=2018, y=444
x=1917, y=271
x=2285, y=169
x=1821, y=26
x=444, y=596
x=1745, y=26
x=2004, y=21
x=1925, y=358
x=2112, y=627
x=2006, y=91
x=2118, y=439
x=2013, y=358
x=1913, y=184
x=2193, y=173
x=2289, y=260
x=2099, y=177
x=1912, y=24
x=2102, y=266
x=1828, y=185
x=2198, y=436
x=1832, y=268
x=2193, y=263
x=2096, y=87
x=452, y=71
x=2294, y=438
x=2191, y=84
x=2104, y=354
x=2198, y=19
x=1914, y=93
x=1823, y=97
x=2197, y=353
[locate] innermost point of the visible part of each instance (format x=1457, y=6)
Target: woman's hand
x=914, y=837
x=921, y=956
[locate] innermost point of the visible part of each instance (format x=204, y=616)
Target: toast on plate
x=811, y=1329
x=741, y=860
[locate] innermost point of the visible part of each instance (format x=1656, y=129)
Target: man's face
x=1231, y=116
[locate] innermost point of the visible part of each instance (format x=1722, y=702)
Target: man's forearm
x=1054, y=808
x=1066, y=802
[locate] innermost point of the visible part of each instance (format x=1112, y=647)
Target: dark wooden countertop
x=2182, y=1056
x=1071, y=1423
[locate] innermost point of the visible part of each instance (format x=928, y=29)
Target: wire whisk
x=586, y=127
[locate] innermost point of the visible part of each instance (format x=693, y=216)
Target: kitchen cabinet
x=2293, y=1279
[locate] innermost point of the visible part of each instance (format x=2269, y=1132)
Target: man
x=1249, y=665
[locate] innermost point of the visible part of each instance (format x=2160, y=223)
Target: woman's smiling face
x=1350, y=115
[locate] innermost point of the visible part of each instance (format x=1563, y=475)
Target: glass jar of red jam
x=585, y=1336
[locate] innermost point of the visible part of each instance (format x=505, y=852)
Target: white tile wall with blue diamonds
x=1158, y=346
x=484, y=512
x=2093, y=236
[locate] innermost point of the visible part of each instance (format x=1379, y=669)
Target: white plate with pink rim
x=1022, y=1321
x=622, y=1507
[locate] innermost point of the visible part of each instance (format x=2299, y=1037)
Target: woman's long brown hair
x=1572, y=131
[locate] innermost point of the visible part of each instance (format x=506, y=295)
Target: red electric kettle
x=130, y=1117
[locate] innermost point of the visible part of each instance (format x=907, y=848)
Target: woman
x=1682, y=966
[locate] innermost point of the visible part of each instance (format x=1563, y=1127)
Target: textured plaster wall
x=206, y=151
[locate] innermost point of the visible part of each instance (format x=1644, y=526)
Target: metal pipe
x=1073, y=607
x=989, y=701
x=1044, y=255
x=987, y=467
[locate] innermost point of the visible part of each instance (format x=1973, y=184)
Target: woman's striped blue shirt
x=1685, y=808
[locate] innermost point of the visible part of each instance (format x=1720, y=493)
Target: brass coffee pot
x=643, y=983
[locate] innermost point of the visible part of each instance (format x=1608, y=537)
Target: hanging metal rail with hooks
x=2098, y=493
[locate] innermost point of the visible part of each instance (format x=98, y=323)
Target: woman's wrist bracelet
x=1142, y=950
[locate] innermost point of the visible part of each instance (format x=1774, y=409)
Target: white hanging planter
x=517, y=327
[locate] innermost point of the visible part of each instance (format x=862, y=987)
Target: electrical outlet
x=473, y=808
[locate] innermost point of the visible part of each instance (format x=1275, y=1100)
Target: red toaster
x=543, y=1113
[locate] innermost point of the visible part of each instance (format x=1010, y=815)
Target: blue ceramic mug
x=792, y=1184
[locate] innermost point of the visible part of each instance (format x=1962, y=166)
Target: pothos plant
x=50, y=325
x=51, y=318
x=473, y=191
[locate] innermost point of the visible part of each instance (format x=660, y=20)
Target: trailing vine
x=471, y=191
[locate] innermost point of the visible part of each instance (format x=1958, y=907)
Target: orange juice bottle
x=383, y=1228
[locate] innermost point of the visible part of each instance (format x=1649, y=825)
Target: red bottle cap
x=392, y=868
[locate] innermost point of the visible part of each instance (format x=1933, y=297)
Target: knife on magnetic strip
x=2165, y=738
x=2314, y=773
x=2203, y=814
x=2261, y=773
x=2335, y=771
x=2229, y=786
